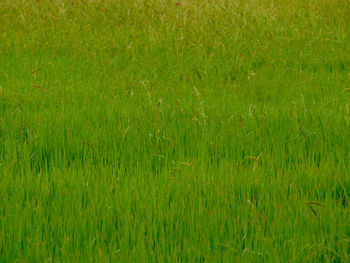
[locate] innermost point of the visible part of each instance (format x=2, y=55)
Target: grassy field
x=175, y=131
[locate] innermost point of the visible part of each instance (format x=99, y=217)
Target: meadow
x=175, y=131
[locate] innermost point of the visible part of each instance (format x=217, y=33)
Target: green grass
x=164, y=131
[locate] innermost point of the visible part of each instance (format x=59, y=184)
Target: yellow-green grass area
x=175, y=131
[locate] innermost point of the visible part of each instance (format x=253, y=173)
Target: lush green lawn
x=165, y=131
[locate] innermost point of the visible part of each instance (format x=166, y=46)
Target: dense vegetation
x=175, y=131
